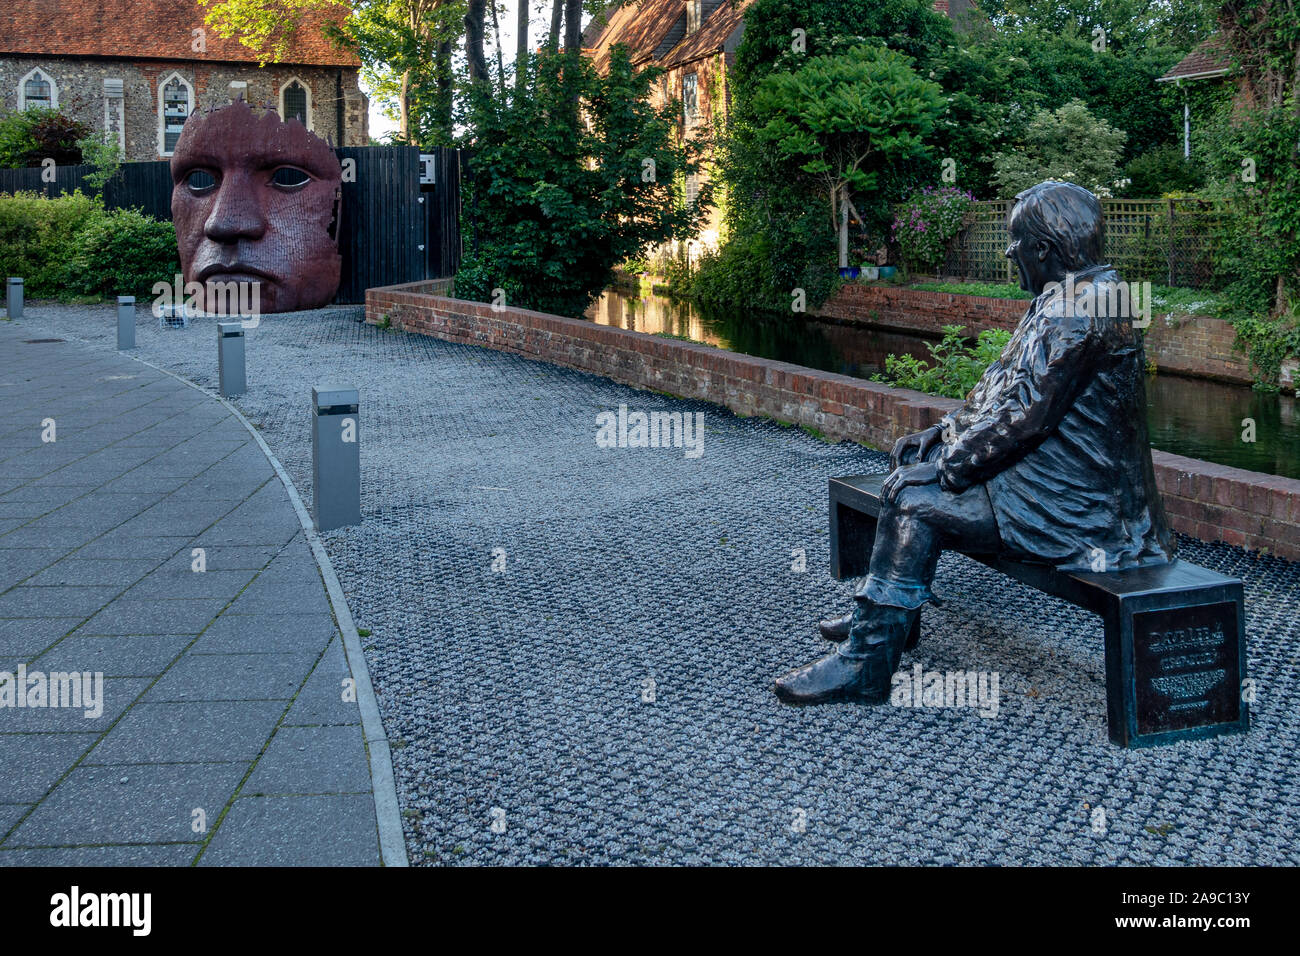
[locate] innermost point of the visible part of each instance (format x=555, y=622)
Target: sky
x=508, y=10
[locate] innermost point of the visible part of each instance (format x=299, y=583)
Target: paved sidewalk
x=224, y=737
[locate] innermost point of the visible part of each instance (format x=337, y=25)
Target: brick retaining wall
x=1208, y=501
x=1193, y=345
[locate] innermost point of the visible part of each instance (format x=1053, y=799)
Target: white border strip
x=392, y=842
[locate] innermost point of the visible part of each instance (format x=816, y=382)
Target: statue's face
x=255, y=199
x=1035, y=259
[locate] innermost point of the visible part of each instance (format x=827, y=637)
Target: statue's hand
x=921, y=473
x=913, y=448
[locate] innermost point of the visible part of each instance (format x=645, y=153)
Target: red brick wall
x=1196, y=346
x=1212, y=502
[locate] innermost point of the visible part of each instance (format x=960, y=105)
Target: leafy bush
x=1069, y=144
x=37, y=235
x=29, y=136
x=122, y=253
x=1251, y=156
x=1160, y=171
x=1268, y=342
x=927, y=221
x=70, y=245
x=956, y=367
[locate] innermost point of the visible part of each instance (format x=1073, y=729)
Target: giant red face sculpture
x=256, y=200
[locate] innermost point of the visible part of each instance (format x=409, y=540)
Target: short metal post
x=335, y=457
x=125, y=322
x=14, y=298
x=230, y=359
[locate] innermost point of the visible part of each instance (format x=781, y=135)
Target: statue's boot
x=861, y=667
x=837, y=629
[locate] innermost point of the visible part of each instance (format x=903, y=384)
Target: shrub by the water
x=955, y=367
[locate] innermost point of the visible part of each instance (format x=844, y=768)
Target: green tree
x=841, y=118
x=405, y=47
x=552, y=203
x=1127, y=23
x=28, y=137
x=102, y=152
x=1069, y=144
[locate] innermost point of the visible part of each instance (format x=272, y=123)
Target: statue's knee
x=909, y=502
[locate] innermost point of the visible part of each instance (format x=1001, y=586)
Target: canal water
x=1185, y=416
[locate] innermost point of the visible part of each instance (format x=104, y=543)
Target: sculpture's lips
x=233, y=272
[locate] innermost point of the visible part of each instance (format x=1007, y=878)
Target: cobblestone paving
x=523, y=698
x=222, y=737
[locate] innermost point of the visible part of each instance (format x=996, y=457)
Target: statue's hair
x=1066, y=216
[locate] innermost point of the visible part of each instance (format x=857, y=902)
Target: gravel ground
x=607, y=697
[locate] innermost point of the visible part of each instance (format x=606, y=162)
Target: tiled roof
x=1208, y=59
x=141, y=29
x=645, y=26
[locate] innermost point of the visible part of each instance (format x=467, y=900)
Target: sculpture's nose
x=236, y=213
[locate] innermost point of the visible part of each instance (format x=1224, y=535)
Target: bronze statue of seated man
x=1047, y=459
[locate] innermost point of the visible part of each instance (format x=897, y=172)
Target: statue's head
x=255, y=199
x=1055, y=228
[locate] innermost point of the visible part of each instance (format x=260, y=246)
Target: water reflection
x=1185, y=416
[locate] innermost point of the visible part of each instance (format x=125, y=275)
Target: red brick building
x=695, y=42
x=137, y=68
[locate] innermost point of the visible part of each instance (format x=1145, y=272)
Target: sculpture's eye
x=200, y=181
x=290, y=177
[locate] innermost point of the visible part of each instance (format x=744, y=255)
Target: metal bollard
x=125, y=322
x=14, y=298
x=335, y=457
x=230, y=359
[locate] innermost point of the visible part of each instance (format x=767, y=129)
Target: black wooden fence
x=144, y=186
x=392, y=229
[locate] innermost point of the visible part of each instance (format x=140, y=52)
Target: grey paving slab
x=336, y=830
x=157, y=854
x=24, y=638
x=325, y=699
x=205, y=731
x=83, y=572
x=225, y=558
x=38, y=534
x=47, y=493
x=118, y=694
x=231, y=533
x=312, y=760
x=233, y=677
x=295, y=599
x=124, y=655
x=155, y=616
x=55, y=600
x=34, y=762
x=142, y=803
x=11, y=813
x=187, y=583
x=266, y=634
x=117, y=546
